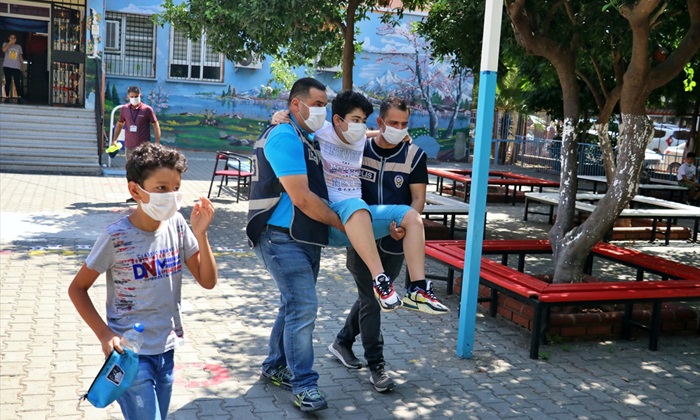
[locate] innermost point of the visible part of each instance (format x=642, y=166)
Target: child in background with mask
x=142, y=255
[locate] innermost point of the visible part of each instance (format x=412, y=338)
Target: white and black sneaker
x=344, y=355
x=384, y=292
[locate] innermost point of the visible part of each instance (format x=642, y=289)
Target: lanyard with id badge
x=132, y=126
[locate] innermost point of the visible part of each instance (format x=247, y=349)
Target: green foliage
x=613, y=3
x=282, y=75
x=592, y=31
x=115, y=95
x=688, y=83
x=300, y=31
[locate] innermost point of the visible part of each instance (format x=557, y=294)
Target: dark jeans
x=16, y=75
x=365, y=316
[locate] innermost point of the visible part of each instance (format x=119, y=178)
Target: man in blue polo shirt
x=288, y=221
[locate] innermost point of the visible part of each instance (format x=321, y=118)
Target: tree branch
x=657, y=15
x=599, y=74
x=596, y=95
x=689, y=45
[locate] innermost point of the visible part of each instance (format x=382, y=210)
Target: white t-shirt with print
x=688, y=170
x=342, y=164
x=144, y=279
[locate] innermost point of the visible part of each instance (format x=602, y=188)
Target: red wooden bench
x=667, y=269
x=643, y=263
x=501, y=178
x=543, y=296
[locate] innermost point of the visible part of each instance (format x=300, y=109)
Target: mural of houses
x=90, y=50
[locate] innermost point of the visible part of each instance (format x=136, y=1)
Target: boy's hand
x=396, y=232
x=280, y=117
x=111, y=342
x=202, y=215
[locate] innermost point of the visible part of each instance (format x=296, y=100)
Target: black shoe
x=310, y=400
x=345, y=356
x=381, y=381
x=130, y=200
x=281, y=377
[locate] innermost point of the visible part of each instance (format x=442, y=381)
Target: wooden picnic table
x=660, y=210
x=670, y=187
x=437, y=205
x=500, y=178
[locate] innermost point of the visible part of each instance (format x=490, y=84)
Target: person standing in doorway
x=12, y=66
x=136, y=118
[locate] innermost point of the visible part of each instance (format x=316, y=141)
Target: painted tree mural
x=423, y=79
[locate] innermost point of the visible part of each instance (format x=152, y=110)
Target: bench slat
x=619, y=295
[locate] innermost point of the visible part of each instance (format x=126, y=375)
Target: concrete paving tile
x=229, y=326
x=33, y=414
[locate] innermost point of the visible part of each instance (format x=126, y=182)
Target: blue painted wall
x=380, y=69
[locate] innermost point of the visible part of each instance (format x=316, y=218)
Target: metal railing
x=545, y=155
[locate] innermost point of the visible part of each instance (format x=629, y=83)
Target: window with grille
x=193, y=60
x=130, y=45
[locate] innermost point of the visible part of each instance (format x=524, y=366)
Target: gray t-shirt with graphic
x=144, y=279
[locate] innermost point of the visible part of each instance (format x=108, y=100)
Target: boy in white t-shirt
x=342, y=148
x=686, y=178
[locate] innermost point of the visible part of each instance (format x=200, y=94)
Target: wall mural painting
x=393, y=61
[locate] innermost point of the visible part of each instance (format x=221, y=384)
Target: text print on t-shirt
x=157, y=265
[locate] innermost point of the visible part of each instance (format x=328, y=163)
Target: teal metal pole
x=480, y=175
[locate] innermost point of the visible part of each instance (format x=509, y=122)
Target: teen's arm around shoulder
x=285, y=153
x=78, y=293
x=202, y=264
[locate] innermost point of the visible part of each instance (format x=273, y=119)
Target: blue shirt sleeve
x=285, y=151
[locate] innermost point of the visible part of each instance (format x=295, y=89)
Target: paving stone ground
x=48, y=356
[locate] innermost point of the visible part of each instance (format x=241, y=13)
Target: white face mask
x=161, y=206
x=356, y=132
x=317, y=116
x=394, y=135
x=135, y=101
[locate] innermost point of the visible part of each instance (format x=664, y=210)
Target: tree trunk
x=577, y=243
x=606, y=149
x=564, y=65
x=432, y=118
x=693, y=143
x=349, y=47
x=451, y=124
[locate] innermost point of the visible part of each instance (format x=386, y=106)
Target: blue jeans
x=294, y=266
x=148, y=397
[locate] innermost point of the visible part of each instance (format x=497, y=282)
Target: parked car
x=673, y=158
x=666, y=136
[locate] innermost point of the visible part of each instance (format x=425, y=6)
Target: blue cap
x=138, y=327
